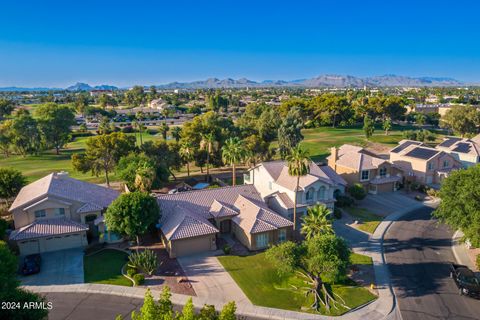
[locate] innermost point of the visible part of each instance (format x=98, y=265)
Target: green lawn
x=368, y=221
x=356, y=258
x=260, y=282
x=105, y=267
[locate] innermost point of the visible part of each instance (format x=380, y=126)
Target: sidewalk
x=460, y=251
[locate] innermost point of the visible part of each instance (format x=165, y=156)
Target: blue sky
x=57, y=43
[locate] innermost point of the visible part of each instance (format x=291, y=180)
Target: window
x=365, y=175
x=40, y=213
x=321, y=193
x=309, y=195
x=262, y=240
x=445, y=163
x=282, y=235
x=59, y=211
x=383, y=172
x=430, y=166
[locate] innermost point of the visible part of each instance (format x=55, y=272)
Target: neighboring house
x=423, y=164
x=358, y=165
x=467, y=151
x=192, y=220
x=277, y=187
x=160, y=105
x=56, y=212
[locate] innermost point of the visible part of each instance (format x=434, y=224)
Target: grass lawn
x=356, y=258
x=368, y=221
x=105, y=267
x=260, y=282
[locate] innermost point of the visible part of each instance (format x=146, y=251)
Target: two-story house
x=358, y=165
x=57, y=212
x=467, y=151
x=277, y=187
x=423, y=164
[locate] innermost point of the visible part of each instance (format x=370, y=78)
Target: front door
x=226, y=226
x=92, y=228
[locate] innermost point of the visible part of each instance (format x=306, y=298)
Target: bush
x=478, y=262
x=139, y=279
x=357, y=191
x=432, y=192
x=344, y=201
x=145, y=260
x=337, y=213
x=131, y=272
x=227, y=249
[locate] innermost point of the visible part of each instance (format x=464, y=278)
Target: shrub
x=344, y=201
x=139, y=279
x=227, y=249
x=337, y=213
x=357, y=191
x=131, y=272
x=145, y=260
x=432, y=192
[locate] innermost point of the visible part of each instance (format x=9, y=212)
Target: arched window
x=310, y=194
x=321, y=193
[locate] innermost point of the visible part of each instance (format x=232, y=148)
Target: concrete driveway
x=59, y=267
x=211, y=281
x=388, y=203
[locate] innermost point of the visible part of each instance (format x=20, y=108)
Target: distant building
x=160, y=105
x=467, y=151
x=97, y=93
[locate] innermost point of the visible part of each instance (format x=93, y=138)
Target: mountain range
x=330, y=81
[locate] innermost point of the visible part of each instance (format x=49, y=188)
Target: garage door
x=191, y=246
x=63, y=242
x=29, y=247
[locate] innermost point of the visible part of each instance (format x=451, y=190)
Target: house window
x=445, y=163
x=40, y=213
x=430, y=166
x=282, y=235
x=321, y=193
x=310, y=194
x=262, y=240
x=59, y=211
x=365, y=175
x=383, y=172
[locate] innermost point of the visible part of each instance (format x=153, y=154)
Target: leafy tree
x=54, y=122
x=387, y=125
x=321, y=259
x=81, y=103
x=144, y=177
x=188, y=312
x=208, y=312
x=6, y=107
x=357, y=191
x=228, y=311
x=420, y=119
x=290, y=132
x=166, y=157
x=8, y=269
x=187, y=153
x=6, y=138
x=25, y=134
x=176, y=133
x=164, y=130
x=298, y=166
x=135, y=96
x=331, y=109
x=130, y=166
x=132, y=213
x=460, y=207
x=148, y=311
x=11, y=181
x=106, y=100
x=393, y=107
x=317, y=221
x=463, y=120
x=233, y=152
x=103, y=153
x=368, y=126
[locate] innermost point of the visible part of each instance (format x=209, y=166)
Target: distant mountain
x=105, y=87
x=79, y=86
x=20, y=89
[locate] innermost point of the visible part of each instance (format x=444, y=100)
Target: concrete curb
x=460, y=252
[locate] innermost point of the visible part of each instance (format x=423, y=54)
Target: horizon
x=57, y=44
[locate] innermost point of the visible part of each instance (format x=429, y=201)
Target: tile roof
x=186, y=224
x=61, y=186
x=220, y=209
x=353, y=157
x=47, y=228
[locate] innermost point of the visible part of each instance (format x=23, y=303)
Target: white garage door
x=63, y=242
x=29, y=247
x=191, y=246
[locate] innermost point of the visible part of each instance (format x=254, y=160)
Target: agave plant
x=145, y=260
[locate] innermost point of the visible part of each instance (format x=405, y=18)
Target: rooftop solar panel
x=421, y=153
x=449, y=142
x=404, y=145
x=462, y=147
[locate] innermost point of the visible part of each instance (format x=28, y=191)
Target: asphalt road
x=418, y=250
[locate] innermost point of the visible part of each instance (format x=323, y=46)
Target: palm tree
x=251, y=159
x=144, y=177
x=233, y=152
x=298, y=166
x=164, y=130
x=317, y=221
x=140, y=116
x=176, y=133
x=186, y=152
x=209, y=144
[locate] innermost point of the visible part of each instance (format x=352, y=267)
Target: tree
x=332, y=109
x=462, y=120
x=298, y=166
x=6, y=138
x=188, y=311
x=317, y=221
x=103, y=153
x=54, y=122
x=165, y=306
x=139, y=116
x=176, y=133
x=132, y=213
x=290, y=132
x=393, y=107
x=208, y=312
x=6, y=107
x=81, y=103
x=148, y=311
x=144, y=177
x=24, y=132
x=460, y=205
x=132, y=165
x=368, y=126
x=387, y=125
x=233, y=152
x=106, y=100
x=209, y=144
x=11, y=181
x=420, y=119
x=187, y=153
x=357, y=191
x=164, y=130
x=228, y=311
x=135, y=96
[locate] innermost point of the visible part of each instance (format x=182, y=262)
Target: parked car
x=465, y=279
x=31, y=264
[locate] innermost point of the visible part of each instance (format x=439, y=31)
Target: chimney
x=332, y=161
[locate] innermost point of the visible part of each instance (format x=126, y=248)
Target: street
x=418, y=251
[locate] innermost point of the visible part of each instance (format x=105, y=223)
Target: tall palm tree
x=251, y=159
x=233, y=152
x=140, y=116
x=186, y=152
x=144, y=177
x=209, y=144
x=298, y=166
x=317, y=221
x=176, y=133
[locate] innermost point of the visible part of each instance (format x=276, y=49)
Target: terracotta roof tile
x=46, y=228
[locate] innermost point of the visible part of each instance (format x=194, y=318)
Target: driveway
x=388, y=203
x=211, y=281
x=59, y=267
